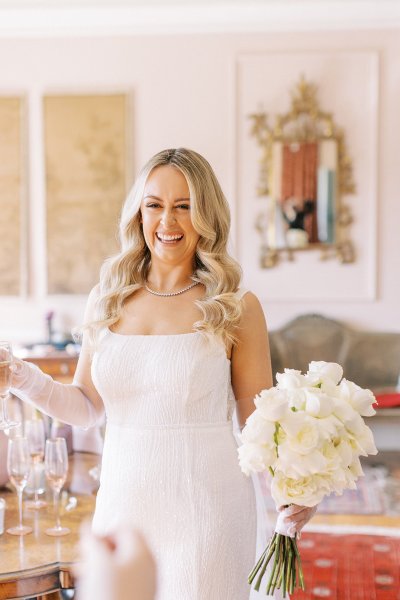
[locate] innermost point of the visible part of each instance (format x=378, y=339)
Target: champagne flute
x=18, y=465
x=56, y=468
x=34, y=432
x=6, y=358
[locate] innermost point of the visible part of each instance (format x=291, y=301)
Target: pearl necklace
x=167, y=294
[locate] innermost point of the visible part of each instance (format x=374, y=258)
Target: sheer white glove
x=291, y=519
x=65, y=402
x=116, y=567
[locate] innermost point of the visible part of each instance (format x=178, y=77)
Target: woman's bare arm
x=250, y=361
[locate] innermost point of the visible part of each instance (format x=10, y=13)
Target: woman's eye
x=152, y=205
x=185, y=206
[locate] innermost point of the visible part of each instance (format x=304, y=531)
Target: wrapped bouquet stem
x=308, y=431
x=283, y=554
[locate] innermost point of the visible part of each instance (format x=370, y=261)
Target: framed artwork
x=13, y=270
x=85, y=139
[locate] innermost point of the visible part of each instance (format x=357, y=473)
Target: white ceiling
x=50, y=18
x=13, y=4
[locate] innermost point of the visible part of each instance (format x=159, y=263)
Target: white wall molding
x=308, y=15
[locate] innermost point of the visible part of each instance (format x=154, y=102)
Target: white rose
x=356, y=468
x=254, y=458
x=272, y=404
x=306, y=491
x=362, y=437
x=330, y=427
x=346, y=452
x=297, y=398
x=317, y=404
x=333, y=457
x=290, y=380
x=258, y=430
x=301, y=431
x=360, y=399
x=296, y=465
x=340, y=481
x=321, y=371
x=350, y=479
x=343, y=410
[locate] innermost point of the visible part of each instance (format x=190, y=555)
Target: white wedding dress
x=170, y=465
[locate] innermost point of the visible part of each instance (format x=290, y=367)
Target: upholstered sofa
x=370, y=359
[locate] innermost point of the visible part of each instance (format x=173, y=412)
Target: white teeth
x=168, y=238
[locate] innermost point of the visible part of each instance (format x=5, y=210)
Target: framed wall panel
x=86, y=156
x=12, y=186
x=348, y=84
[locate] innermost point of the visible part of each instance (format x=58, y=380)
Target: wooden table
x=36, y=565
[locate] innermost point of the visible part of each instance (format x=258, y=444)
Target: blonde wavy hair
x=126, y=272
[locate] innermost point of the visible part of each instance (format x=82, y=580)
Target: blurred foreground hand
x=115, y=567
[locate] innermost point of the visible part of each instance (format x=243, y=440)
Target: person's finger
x=300, y=525
x=109, y=542
x=296, y=508
x=301, y=514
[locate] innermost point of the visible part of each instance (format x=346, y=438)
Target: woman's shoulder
x=247, y=296
x=252, y=311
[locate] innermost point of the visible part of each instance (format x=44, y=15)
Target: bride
x=172, y=347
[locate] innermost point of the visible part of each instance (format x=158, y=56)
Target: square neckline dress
x=170, y=465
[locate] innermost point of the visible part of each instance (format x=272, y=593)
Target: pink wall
x=184, y=92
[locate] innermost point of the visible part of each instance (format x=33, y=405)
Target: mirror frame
x=305, y=122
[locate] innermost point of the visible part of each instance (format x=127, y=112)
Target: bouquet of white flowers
x=308, y=431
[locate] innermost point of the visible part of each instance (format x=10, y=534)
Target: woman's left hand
x=293, y=518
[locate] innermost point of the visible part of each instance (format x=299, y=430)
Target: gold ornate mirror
x=304, y=174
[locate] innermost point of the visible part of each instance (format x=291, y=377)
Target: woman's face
x=167, y=224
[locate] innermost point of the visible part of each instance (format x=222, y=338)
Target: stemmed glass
x=56, y=468
x=34, y=432
x=18, y=465
x=6, y=358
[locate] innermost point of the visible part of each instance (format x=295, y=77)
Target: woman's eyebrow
x=161, y=200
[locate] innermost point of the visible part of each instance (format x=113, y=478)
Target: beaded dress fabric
x=170, y=465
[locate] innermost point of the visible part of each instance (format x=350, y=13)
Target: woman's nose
x=167, y=218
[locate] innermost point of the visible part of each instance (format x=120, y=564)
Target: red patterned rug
x=350, y=567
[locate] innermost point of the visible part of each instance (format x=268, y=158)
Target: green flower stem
x=289, y=565
x=273, y=548
x=260, y=576
x=294, y=574
x=276, y=575
x=290, y=569
x=294, y=563
x=276, y=557
x=301, y=576
x=286, y=572
x=258, y=565
x=267, y=557
x=282, y=575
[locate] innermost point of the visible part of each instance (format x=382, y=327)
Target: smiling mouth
x=169, y=239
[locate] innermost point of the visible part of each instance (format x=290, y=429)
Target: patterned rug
x=350, y=567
